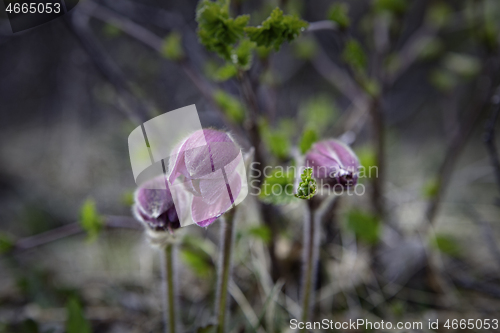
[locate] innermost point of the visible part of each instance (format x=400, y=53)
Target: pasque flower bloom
x=154, y=206
x=333, y=163
x=206, y=164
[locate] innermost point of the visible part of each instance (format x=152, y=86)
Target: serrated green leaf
x=277, y=187
x=217, y=31
x=309, y=136
x=172, y=47
x=364, y=225
x=276, y=30
x=354, y=55
x=231, y=106
x=242, y=55
x=75, y=320
x=339, y=13
x=90, y=220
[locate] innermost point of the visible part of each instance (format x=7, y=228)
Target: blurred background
x=410, y=85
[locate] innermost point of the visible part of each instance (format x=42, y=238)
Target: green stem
x=227, y=237
x=310, y=257
x=167, y=272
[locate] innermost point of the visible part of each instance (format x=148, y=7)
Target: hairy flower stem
x=227, y=238
x=310, y=257
x=168, y=294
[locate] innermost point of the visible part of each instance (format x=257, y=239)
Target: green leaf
x=276, y=140
x=447, y=245
x=364, y=225
x=443, y=80
x=429, y=48
x=339, y=13
x=6, y=243
x=172, y=47
x=431, y=188
x=307, y=187
x=242, y=55
x=354, y=55
x=368, y=161
x=261, y=232
x=462, y=64
x=76, y=321
x=276, y=30
x=216, y=30
x=277, y=188
x=198, y=261
x=439, y=14
x=392, y=6
x=231, y=106
x=90, y=220
x=111, y=30
x=318, y=112
x=305, y=47
x=220, y=73
x=309, y=136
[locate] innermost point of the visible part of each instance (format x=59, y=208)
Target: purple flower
x=333, y=163
x=206, y=164
x=154, y=205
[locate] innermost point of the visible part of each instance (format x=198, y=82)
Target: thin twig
x=489, y=138
x=132, y=106
x=322, y=25
x=156, y=43
x=47, y=237
x=458, y=142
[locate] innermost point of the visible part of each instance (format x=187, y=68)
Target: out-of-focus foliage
x=391, y=6
x=446, y=244
x=260, y=232
x=364, y=225
x=309, y=136
x=339, y=13
x=277, y=188
x=277, y=139
x=354, y=55
x=305, y=47
x=172, y=47
x=231, y=106
x=76, y=321
x=276, y=29
x=195, y=256
x=6, y=243
x=90, y=220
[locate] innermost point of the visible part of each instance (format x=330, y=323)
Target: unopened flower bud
x=333, y=162
x=154, y=205
x=206, y=162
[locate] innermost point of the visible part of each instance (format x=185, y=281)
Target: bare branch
x=111, y=222
x=489, y=137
